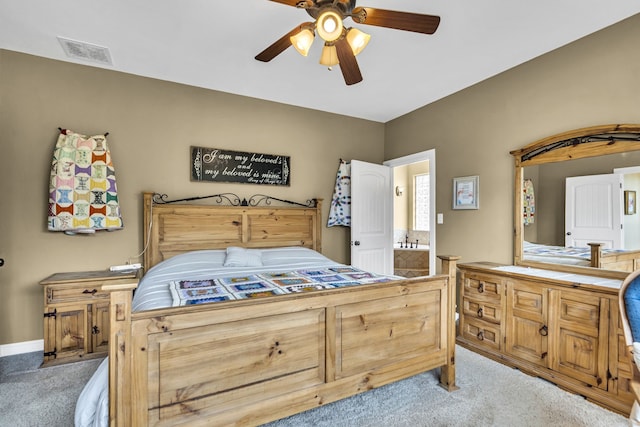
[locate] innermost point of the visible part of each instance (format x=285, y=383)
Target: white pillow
x=241, y=257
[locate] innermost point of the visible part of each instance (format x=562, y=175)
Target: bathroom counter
x=411, y=262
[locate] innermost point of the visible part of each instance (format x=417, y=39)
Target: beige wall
x=593, y=81
x=401, y=203
x=632, y=222
x=151, y=125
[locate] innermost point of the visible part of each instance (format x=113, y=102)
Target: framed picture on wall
x=629, y=202
x=466, y=192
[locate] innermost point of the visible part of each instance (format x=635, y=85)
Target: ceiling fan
x=341, y=45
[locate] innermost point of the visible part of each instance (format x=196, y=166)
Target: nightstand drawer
x=56, y=294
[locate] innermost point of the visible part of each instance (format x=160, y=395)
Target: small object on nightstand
x=126, y=267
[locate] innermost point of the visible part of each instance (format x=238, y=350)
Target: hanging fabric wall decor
x=528, y=203
x=340, y=209
x=83, y=196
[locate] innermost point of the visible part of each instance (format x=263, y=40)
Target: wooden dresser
x=76, y=314
x=562, y=327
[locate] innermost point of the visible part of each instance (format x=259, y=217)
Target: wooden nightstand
x=76, y=314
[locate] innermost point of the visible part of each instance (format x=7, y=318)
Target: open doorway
x=414, y=214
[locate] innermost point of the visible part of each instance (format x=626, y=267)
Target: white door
x=371, y=217
x=593, y=211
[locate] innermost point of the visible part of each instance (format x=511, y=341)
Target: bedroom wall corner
x=565, y=89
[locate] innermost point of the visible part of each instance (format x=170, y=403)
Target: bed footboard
x=627, y=261
x=249, y=362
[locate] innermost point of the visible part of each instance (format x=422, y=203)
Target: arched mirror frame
x=575, y=144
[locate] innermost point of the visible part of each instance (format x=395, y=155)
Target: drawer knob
x=95, y=330
x=92, y=291
x=481, y=287
x=480, y=336
x=544, y=331
x=480, y=314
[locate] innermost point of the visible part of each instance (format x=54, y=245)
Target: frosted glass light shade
x=329, y=25
x=329, y=56
x=303, y=41
x=357, y=40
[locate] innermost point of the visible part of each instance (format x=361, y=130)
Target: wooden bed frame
x=627, y=261
x=248, y=362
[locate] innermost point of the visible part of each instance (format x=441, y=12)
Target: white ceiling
x=212, y=44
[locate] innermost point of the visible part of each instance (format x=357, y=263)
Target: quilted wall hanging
x=340, y=210
x=83, y=196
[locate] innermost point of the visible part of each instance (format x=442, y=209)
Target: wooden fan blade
x=302, y=4
x=280, y=45
x=348, y=63
x=426, y=24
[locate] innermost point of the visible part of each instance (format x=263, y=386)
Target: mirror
x=545, y=165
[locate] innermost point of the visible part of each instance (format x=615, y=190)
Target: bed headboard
x=174, y=228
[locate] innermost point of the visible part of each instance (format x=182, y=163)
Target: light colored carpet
x=39, y=397
x=490, y=394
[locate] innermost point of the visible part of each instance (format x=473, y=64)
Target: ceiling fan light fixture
x=329, y=55
x=358, y=40
x=341, y=44
x=303, y=41
x=329, y=25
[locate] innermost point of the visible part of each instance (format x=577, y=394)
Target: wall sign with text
x=216, y=165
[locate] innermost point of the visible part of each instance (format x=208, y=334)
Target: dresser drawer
x=481, y=333
x=483, y=287
x=56, y=294
x=479, y=309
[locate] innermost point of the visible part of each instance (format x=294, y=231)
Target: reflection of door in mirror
x=547, y=164
x=593, y=211
x=549, y=181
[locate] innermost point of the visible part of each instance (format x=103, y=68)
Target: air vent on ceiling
x=87, y=51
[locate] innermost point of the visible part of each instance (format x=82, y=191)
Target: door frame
x=430, y=156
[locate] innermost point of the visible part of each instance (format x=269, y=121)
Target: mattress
x=557, y=254
x=561, y=254
x=155, y=291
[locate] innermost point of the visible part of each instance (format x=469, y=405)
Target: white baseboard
x=21, y=347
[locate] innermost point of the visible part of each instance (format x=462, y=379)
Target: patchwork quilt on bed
x=561, y=251
x=189, y=292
